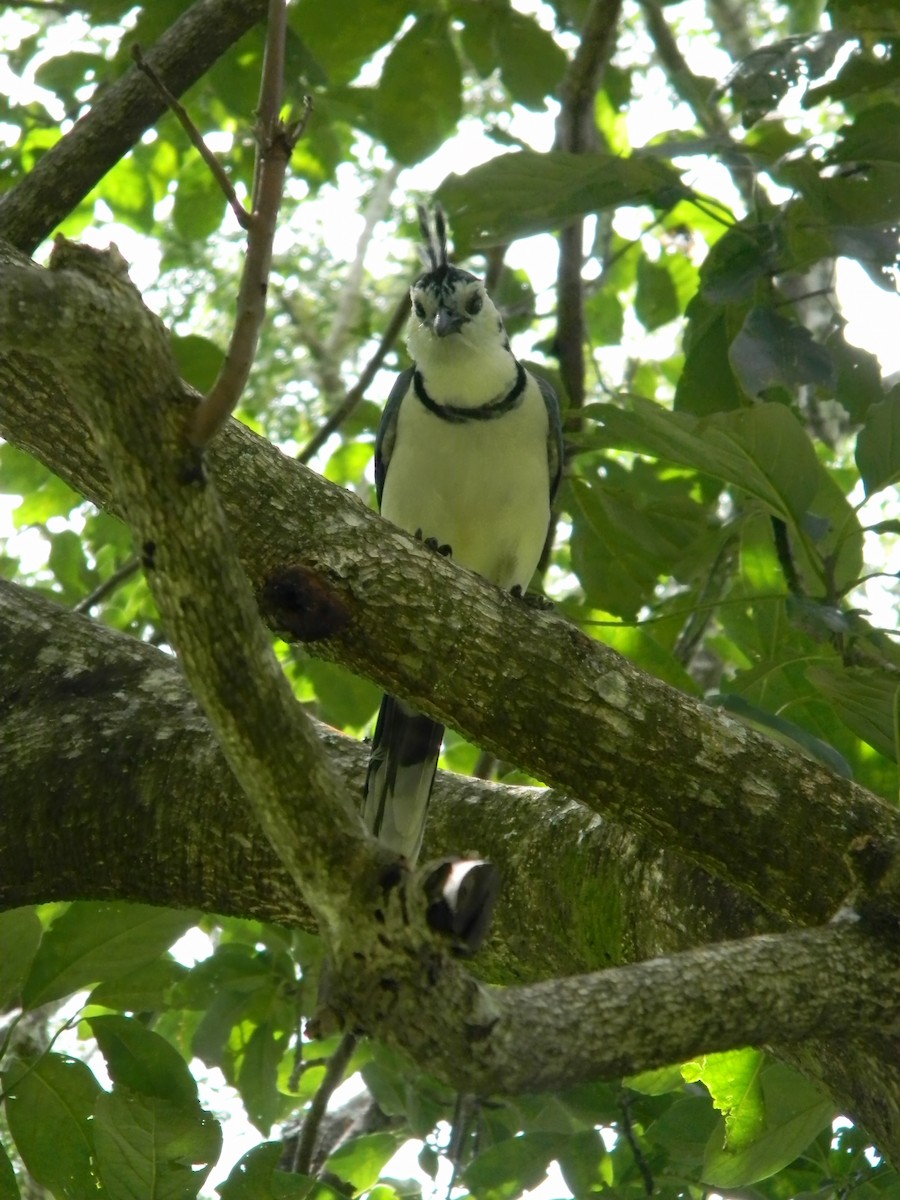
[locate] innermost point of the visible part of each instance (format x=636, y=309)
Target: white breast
x=482, y=487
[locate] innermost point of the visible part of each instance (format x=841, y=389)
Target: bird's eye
x=420, y=309
x=474, y=303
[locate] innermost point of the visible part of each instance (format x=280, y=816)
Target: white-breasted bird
x=468, y=456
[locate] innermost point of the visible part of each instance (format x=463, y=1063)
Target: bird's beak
x=446, y=322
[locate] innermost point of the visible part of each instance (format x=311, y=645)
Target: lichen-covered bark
x=713, y=794
x=531, y=688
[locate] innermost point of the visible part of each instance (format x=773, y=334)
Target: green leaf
x=511, y=1166
x=360, y=1160
x=343, y=34
x=532, y=64
x=656, y=1083
x=199, y=203
x=145, y=989
x=414, y=121
x=770, y=351
x=764, y=450
x=255, y=1177
x=526, y=192
x=49, y=1103
x=623, y=540
x=878, y=445
x=9, y=1189
x=795, y=1112
x=656, y=301
x=151, y=1149
x=68, y=563
x=258, y=1076
x=141, y=1061
x=91, y=942
x=864, y=698
x=733, y=1079
x=585, y=1163
x=707, y=383
x=20, y=936
x=198, y=359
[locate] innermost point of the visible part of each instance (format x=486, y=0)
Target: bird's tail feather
x=405, y=751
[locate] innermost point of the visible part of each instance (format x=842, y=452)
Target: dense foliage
x=726, y=521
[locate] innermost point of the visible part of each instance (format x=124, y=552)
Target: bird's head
x=451, y=311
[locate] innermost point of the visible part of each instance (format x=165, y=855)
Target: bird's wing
x=554, y=435
x=387, y=428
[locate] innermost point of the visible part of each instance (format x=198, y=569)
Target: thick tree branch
x=139, y=412
x=121, y=113
x=690, y=778
x=175, y=830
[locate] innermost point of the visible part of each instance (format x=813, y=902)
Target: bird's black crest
x=434, y=234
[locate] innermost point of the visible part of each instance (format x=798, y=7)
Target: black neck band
x=457, y=413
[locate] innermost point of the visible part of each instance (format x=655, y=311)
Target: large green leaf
x=142, y=1061
x=707, y=383
x=878, y=445
x=49, y=1102
x=526, y=192
x=20, y=935
x=9, y=1189
x=795, y=1112
x=733, y=1081
x=512, y=1166
x=91, y=942
x=764, y=450
x=343, y=34
x=257, y=1079
x=255, y=1177
x=413, y=121
x=151, y=1149
x=359, y=1160
x=865, y=698
x=770, y=351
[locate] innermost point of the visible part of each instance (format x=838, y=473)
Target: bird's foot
x=532, y=599
x=432, y=543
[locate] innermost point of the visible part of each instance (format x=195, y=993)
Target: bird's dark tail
x=405, y=751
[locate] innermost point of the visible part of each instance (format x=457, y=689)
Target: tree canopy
x=685, y=773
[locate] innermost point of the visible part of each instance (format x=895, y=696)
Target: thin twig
x=640, y=1160
x=687, y=87
x=196, y=137
x=577, y=133
x=108, y=585
x=309, y=1132
x=356, y=393
x=275, y=143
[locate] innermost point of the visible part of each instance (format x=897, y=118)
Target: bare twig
x=196, y=138
x=688, y=88
x=117, y=118
x=108, y=585
x=376, y=209
x=576, y=132
x=334, y=1074
x=275, y=143
x=356, y=393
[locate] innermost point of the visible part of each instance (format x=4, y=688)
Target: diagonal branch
x=119, y=116
x=688, y=777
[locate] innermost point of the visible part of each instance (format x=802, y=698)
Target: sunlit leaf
x=795, y=1112
x=90, y=942
x=878, y=445
x=150, y=1147
x=49, y=1102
